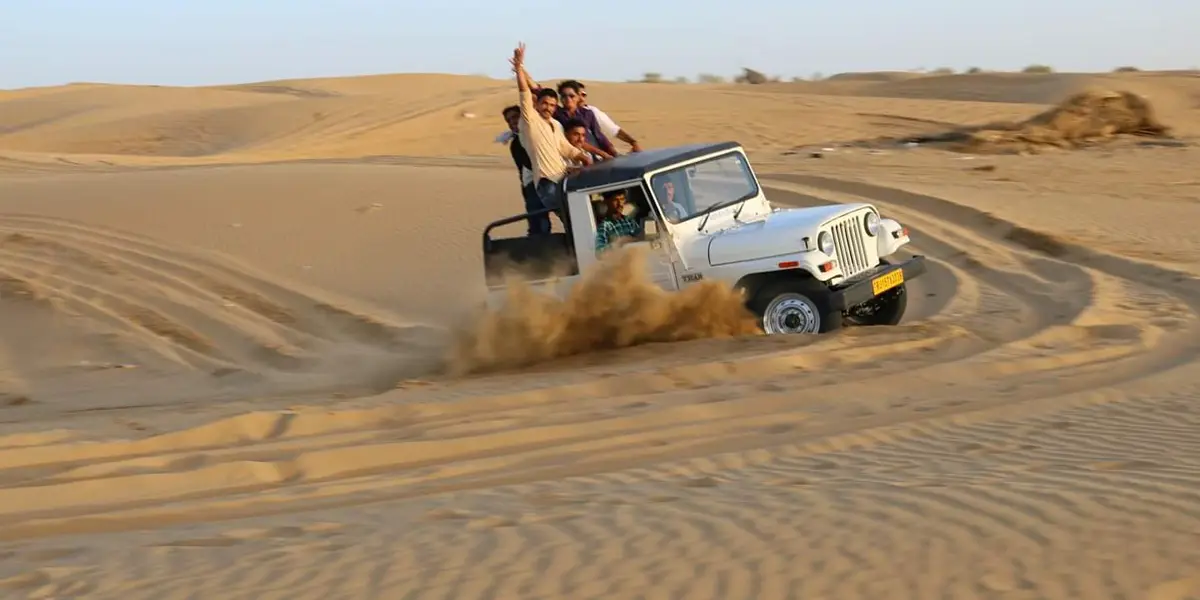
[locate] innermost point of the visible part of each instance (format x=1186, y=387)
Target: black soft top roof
x=635, y=165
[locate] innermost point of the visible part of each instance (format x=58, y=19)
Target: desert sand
x=226, y=312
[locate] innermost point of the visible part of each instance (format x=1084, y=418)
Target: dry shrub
x=1083, y=119
x=615, y=306
x=752, y=77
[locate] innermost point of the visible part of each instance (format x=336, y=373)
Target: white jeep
x=703, y=216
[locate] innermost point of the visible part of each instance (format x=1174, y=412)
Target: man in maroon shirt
x=571, y=107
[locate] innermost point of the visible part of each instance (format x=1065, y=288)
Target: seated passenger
x=672, y=209
x=615, y=224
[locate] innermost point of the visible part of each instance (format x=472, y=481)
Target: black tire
x=791, y=306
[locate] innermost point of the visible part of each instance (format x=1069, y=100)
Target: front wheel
x=795, y=306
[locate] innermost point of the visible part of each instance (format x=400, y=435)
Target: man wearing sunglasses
x=608, y=127
x=571, y=109
x=604, y=123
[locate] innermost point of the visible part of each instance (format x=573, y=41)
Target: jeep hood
x=775, y=234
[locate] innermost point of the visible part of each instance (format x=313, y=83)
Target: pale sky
x=201, y=42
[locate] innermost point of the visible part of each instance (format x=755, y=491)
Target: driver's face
x=616, y=204
x=669, y=190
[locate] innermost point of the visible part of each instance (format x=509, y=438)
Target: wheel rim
x=791, y=313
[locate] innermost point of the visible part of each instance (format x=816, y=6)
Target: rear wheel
x=795, y=306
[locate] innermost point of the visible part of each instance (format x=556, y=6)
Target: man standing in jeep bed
x=512, y=116
x=542, y=136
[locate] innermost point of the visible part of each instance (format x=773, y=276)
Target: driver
x=615, y=224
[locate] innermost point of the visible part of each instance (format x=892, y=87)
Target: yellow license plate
x=884, y=283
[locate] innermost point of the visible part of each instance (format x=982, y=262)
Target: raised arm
x=611, y=129
x=529, y=80
x=606, y=144
x=523, y=92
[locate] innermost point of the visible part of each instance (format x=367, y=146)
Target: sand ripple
x=1032, y=426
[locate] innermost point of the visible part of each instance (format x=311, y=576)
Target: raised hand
x=518, y=66
x=518, y=57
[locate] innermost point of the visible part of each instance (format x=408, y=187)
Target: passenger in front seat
x=672, y=209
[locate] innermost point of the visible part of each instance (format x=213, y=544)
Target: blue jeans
x=549, y=194
x=538, y=224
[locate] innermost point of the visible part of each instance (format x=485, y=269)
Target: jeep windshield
x=697, y=189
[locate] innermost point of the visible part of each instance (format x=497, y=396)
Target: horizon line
x=666, y=79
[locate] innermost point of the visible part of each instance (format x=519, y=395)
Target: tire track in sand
x=174, y=311
x=1035, y=330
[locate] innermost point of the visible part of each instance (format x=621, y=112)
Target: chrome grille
x=850, y=245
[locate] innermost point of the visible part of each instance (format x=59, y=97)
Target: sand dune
x=227, y=313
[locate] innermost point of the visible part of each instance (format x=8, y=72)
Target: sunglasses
x=573, y=94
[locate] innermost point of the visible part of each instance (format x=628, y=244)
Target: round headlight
x=825, y=243
x=872, y=223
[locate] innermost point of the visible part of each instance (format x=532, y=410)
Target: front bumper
x=861, y=289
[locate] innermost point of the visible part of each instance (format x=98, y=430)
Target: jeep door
x=656, y=243
x=659, y=254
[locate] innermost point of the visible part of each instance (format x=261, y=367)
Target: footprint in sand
x=446, y=514
x=554, y=499
x=14, y=400
x=51, y=554
x=789, y=482
x=778, y=428
x=1187, y=588
x=552, y=517
x=240, y=536
x=492, y=522
x=1123, y=465
x=213, y=542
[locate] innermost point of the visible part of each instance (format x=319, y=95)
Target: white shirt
x=607, y=126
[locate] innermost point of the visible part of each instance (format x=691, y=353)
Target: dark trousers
x=546, y=194
x=538, y=224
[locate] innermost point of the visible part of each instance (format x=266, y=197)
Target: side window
x=637, y=207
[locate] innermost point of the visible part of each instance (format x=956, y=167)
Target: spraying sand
x=616, y=306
